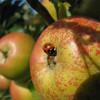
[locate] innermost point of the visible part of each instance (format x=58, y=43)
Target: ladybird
x=49, y=49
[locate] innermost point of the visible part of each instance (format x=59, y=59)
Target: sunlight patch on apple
x=13, y=47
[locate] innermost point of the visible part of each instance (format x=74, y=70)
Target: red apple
x=77, y=59
x=15, y=51
x=4, y=83
x=20, y=92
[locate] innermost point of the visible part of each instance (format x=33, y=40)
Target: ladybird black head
x=52, y=51
x=49, y=49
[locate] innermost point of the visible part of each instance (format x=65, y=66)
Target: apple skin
x=15, y=51
x=19, y=92
x=4, y=83
x=77, y=40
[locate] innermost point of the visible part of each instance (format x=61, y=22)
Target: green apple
x=19, y=92
x=15, y=51
x=4, y=83
x=77, y=59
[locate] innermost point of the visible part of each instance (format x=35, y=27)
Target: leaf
x=51, y=8
x=36, y=95
x=55, y=2
x=64, y=10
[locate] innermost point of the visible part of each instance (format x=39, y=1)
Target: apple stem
x=35, y=4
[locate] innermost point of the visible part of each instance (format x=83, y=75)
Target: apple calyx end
x=3, y=56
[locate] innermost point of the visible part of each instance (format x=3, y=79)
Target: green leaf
x=50, y=8
x=64, y=10
x=36, y=95
x=55, y=2
x=68, y=13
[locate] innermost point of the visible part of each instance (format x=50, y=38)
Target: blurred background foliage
x=16, y=16
x=5, y=95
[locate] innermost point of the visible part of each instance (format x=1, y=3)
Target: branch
x=35, y=4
